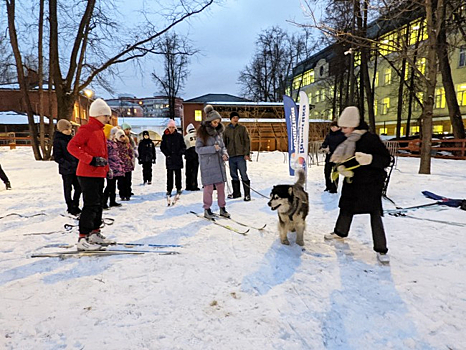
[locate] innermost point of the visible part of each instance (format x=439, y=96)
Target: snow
x=227, y=291
x=12, y=117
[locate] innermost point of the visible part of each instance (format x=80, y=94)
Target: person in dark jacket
x=67, y=165
x=173, y=147
x=361, y=158
x=212, y=157
x=4, y=178
x=116, y=168
x=332, y=140
x=146, y=157
x=192, y=159
x=238, y=146
x=90, y=147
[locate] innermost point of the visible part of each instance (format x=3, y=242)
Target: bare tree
x=277, y=52
x=89, y=43
x=175, y=52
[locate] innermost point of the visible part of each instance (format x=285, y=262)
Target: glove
x=325, y=150
x=363, y=158
x=98, y=161
x=345, y=172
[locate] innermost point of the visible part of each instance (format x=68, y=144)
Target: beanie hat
x=113, y=132
x=144, y=133
x=234, y=114
x=171, y=123
x=211, y=113
x=119, y=133
x=63, y=125
x=190, y=128
x=99, y=107
x=107, y=129
x=125, y=126
x=349, y=118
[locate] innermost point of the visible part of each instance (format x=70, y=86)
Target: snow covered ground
x=227, y=291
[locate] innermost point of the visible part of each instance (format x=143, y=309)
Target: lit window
x=385, y=105
x=383, y=131
x=461, y=94
x=297, y=82
x=462, y=62
x=375, y=107
x=317, y=97
x=308, y=77
x=421, y=65
x=440, y=98
x=322, y=95
x=437, y=129
x=414, y=130
x=387, y=76
x=198, y=115
x=376, y=82
x=309, y=95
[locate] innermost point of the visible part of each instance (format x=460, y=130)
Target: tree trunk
x=447, y=80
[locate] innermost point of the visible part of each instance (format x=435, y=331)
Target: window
x=414, y=130
x=421, y=65
x=462, y=61
x=309, y=95
x=322, y=95
x=416, y=105
x=383, y=131
x=461, y=94
x=440, y=98
x=375, y=107
x=308, y=77
x=321, y=71
x=437, y=129
x=387, y=76
x=385, y=105
x=402, y=130
x=317, y=97
x=198, y=115
x=376, y=82
x=297, y=82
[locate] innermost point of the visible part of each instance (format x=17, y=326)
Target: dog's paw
x=301, y=243
x=285, y=241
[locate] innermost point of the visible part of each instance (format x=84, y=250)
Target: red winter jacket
x=89, y=142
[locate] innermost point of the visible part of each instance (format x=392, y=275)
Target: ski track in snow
x=225, y=290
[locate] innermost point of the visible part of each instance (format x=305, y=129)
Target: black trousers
x=170, y=173
x=343, y=225
x=329, y=184
x=110, y=191
x=70, y=182
x=124, y=185
x=3, y=176
x=91, y=215
x=147, y=171
x=192, y=168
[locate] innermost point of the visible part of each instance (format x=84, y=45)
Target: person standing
x=134, y=154
x=90, y=147
x=367, y=156
x=212, y=157
x=192, y=159
x=116, y=168
x=238, y=145
x=125, y=152
x=146, y=157
x=173, y=147
x=5, y=179
x=67, y=165
x=332, y=140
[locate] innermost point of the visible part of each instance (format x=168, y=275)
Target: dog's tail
x=301, y=177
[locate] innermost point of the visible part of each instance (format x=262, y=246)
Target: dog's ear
x=290, y=191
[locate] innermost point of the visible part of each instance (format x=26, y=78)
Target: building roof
x=211, y=98
x=12, y=117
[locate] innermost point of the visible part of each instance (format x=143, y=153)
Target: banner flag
x=303, y=132
x=291, y=116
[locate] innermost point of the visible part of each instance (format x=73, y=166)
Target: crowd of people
x=99, y=160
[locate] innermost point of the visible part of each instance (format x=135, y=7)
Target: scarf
x=347, y=148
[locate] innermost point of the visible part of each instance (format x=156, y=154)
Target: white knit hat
x=119, y=133
x=349, y=118
x=99, y=107
x=190, y=128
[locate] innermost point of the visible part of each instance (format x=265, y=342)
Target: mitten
x=98, y=161
x=345, y=172
x=363, y=158
x=110, y=174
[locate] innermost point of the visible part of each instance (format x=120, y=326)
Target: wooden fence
x=441, y=148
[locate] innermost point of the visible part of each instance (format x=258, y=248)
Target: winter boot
x=96, y=237
x=208, y=214
x=332, y=235
x=75, y=211
x=224, y=213
x=8, y=185
x=85, y=245
x=247, y=190
x=383, y=258
x=115, y=204
x=236, y=189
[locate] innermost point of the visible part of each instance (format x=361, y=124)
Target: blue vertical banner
x=291, y=116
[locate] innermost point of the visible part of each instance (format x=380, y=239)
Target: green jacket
x=236, y=139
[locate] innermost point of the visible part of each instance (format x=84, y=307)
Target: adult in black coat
x=67, y=165
x=173, y=147
x=362, y=189
x=146, y=156
x=331, y=142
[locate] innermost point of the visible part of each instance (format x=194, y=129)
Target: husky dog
x=292, y=204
